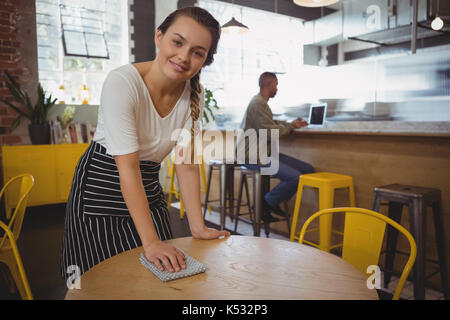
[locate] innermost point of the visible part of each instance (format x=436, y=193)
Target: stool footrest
x=311, y=243
x=398, y=274
x=407, y=254
x=244, y=219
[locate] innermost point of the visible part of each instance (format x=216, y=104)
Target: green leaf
x=15, y=93
x=19, y=111
x=15, y=123
x=206, y=117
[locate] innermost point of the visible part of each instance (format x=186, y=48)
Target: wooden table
x=239, y=268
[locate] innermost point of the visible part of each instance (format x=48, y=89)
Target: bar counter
x=398, y=128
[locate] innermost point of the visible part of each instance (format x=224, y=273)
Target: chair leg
x=15, y=267
x=376, y=202
x=418, y=226
x=395, y=213
x=267, y=228
x=230, y=189
x=326, y=200
x=7, y=277
x=247, y=194
x=440, y=243
x=18, y=280
x=203, y=177
x=238, y=206
x=257, y=193
x=223, y=195
x=295, y=214
x=286, y=210
x=208, y=187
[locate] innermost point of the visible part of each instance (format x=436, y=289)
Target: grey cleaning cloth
x=193, y=267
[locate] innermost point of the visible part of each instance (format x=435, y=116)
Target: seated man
x=259, y=116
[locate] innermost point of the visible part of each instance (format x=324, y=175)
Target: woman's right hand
x=159, y=252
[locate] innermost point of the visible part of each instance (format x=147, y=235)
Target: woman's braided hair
x=205, y=19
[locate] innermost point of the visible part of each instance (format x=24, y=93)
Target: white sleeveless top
x=128, y=120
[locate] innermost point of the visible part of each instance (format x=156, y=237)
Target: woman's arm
x=188, y=176
x=133, y=192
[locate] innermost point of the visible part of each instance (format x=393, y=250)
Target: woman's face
x=183, y=48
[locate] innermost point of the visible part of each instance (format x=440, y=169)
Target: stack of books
x=74, y=133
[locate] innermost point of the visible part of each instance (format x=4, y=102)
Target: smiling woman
x=116, y=201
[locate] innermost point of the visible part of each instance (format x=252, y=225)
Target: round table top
x=239, y=268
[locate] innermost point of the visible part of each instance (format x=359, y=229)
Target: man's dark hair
x=265, y=77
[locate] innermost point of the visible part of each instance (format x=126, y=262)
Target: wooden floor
x=41, y=241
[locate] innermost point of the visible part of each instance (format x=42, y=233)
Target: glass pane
x=48, y=51
x=94, y=64
x=71, y=21
x=47, y=31
x=75, y=43
x=93, y=25
x=70, y=11
x=113, y=38
x=45, y=7
x=96, y=45
x=74, y=64
x=47, y=19
x=113, y=6
x=93, y=5
x=113, y=19
x=48, y=64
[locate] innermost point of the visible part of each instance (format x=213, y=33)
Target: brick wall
x=18, y=55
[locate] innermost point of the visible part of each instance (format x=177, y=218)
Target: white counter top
x=434, y=128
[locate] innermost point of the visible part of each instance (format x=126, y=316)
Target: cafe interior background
x=388, y=93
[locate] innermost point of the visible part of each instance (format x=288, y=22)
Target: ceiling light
x=437, y=23
x=234, y=27
x=315, y=3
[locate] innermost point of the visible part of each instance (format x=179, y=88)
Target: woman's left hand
x=209, y=233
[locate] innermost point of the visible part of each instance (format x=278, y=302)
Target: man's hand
x=299, y=123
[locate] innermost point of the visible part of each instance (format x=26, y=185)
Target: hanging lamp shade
x=437, y=23
x=234, y=27
x=315, y=3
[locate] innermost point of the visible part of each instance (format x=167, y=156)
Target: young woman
x=116, y=202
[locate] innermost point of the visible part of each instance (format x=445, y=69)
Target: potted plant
x=210, y=104
x=39, y=129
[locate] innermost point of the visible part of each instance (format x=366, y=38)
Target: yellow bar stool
x=326, y=184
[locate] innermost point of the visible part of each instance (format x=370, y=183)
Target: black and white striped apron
x=98, y=224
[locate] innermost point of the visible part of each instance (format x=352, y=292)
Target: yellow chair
x=9, y=254
x=363, y=238
x=326, y=183
x=173, y=190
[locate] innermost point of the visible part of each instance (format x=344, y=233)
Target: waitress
x=116, y=202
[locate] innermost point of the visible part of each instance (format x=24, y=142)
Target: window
x=274, y=43
x=79, y=42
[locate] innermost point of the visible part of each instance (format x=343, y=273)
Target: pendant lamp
x=437, y=22
x=234, y=27
x=315, y=3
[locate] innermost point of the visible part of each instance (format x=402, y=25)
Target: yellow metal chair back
x=172, y=187
x=9, y=253
x=363, y=238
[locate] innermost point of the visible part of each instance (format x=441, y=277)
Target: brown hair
x=205, y=19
